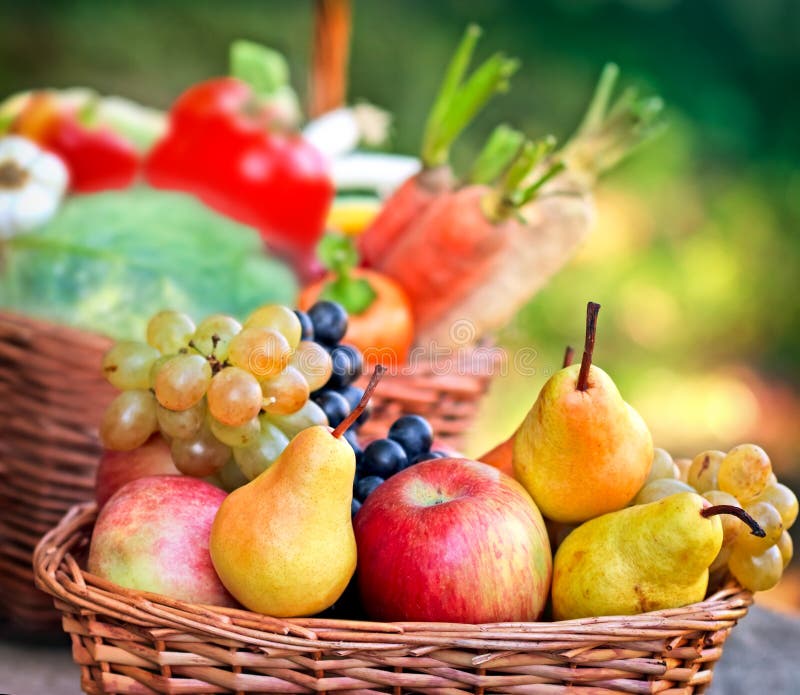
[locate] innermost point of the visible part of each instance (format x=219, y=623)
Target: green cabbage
x=109, y=261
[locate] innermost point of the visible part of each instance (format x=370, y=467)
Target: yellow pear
x=643, y=558
x=283, y=544
x=582, y=450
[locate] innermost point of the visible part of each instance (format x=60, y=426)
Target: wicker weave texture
x=132, y=642
x=52, y=396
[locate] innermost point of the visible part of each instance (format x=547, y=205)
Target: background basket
x=132, y=642
x=52, y=396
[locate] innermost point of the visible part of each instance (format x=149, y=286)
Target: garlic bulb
x=32, y=184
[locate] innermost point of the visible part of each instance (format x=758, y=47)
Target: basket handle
x=330, y=54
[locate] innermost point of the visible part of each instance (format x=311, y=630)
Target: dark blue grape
x=333, y=404
x=353, y=394
x=413, y=433
x=347, y=366
x=355, y=505
x=427, y=456
x=383, y=457
x=307, y=328
x=330, y=322
x=352, y=440
x=366, y=486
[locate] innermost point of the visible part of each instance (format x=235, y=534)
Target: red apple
x=452, y=540
x=119, y=467
x=152, y=535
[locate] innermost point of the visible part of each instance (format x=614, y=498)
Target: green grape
x=683, y=468
x=768, y=519
x=181, y=424
x=278, y=318
x=155, y=368
x=659, y=489
x=169, y=331
x=129, y=420
x=213, y=335
x=243, y=435
x=786, y=546
x=201, y=455
x=182, y=381
x=231, y=476
x=744, y=472
x=783, y=499
x=702, y=474
x=285, y=393
x=308, y=416
x=314, y=362
x=234, y=397
x=261, y=351
x=723, y=556
x=127, y=365
x=255, y=459
x=731, y=526
x=757, y=572
x=663, y=467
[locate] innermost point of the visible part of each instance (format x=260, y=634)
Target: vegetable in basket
x=557, y=219
x=97, y=157
x=108, y=261
x=228, y=145
x=457, y=103
x=380, y=324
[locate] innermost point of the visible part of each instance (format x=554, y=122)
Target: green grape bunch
x=743, y=478
x=227, y=396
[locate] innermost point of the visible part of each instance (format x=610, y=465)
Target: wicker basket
x=132, y=642
x=52, y=396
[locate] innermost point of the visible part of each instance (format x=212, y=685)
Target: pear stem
x=569, y=353
x=592, y=309
x=342, y=427
x=738, y=512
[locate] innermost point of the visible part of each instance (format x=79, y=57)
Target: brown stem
x=592, y=310
x=341, y=428
x=569, y=353
x=738, y=512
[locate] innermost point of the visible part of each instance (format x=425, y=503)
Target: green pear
x=582, y=451
x=643, y=558
x=283, y=544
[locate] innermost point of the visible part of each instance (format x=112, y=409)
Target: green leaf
x=264, y=69
x=337, y=253
x=354, y=294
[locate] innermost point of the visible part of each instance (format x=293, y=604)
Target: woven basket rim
x=58, y=574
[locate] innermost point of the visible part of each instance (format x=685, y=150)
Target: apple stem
x=738, y=512
x=342, y=427
x=569, y=353
x=592, y=309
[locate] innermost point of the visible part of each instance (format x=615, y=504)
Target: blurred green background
x=695, y=256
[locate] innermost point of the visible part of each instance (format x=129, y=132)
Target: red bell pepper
x=221, y=148
x=97, y=158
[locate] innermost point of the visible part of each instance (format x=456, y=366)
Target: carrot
x=450, y=249
x=558, y=219
x=457, y=103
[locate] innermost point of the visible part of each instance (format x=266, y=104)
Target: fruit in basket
x=582, y=450
x=744, y=472
x=153, y=535
x=452, y=540
x=643, y=558
x=116, y=468
x=703, y=472
x=129, y=420
x=283, y=544
x=659, y=489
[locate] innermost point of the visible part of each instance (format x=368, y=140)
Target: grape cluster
x=227, y=396
x=742, y=478
x=409, y=441
x=338, y=395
